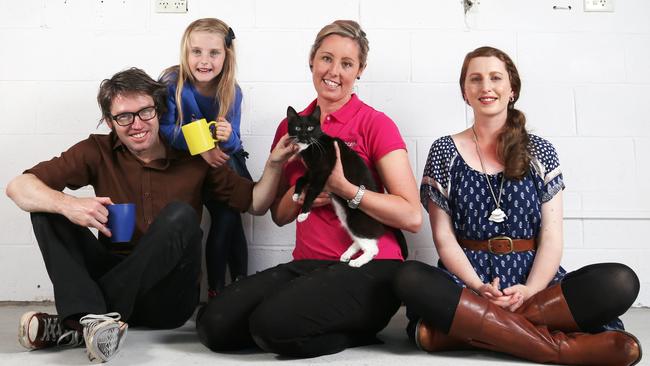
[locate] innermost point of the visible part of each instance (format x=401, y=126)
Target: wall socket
x=171, y=6
x=599, y=5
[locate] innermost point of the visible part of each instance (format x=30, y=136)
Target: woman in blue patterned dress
x=494, y=197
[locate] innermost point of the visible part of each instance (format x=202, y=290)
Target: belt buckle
x=510, y=244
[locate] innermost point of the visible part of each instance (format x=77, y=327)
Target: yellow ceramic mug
x=198, y=136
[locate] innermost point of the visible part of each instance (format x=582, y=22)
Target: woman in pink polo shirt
x=315, y=304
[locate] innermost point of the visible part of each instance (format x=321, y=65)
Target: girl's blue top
x=197, y=106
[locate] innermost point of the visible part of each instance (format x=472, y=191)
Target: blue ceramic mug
x=121, y=221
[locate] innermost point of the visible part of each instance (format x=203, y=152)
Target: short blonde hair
x=343, y=28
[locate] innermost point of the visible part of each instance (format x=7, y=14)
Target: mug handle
x=215, y=129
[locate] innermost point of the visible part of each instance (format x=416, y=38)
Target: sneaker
x=40, y=330
x=104, y=334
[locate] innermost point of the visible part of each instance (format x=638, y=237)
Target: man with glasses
x=153, y=280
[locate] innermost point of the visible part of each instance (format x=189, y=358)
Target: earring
x=358, y=77
x=512, y=98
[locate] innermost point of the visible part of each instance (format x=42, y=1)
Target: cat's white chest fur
x=302, y=146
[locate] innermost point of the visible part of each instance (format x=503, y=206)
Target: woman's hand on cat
x=337, y=183
x=223, y=130
x=321, y=200
x=284, y=150
x=215, y=157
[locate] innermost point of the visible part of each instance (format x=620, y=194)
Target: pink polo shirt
x=372, y=135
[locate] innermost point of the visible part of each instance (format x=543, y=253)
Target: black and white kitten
x=319, y=155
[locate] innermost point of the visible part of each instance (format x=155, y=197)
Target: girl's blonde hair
x=226, y=82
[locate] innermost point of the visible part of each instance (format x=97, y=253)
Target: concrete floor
x=181, y=347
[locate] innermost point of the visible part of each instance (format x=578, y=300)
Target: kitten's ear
x=291, y=113
x=316, y=113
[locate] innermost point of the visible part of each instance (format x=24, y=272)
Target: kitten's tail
x=401, y=240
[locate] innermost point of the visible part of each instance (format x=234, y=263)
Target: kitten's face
x=305, y=129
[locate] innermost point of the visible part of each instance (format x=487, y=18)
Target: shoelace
x=91, y=320
x=52, y=329
x=70, y=338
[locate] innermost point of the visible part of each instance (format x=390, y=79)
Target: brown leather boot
x=549, y=307
x=485, y=325
x=430, y=339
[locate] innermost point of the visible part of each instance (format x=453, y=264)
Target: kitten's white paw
x=363, y=259
x=371, y=252
x=295, y=197
x=351, y=251
x=303, y=216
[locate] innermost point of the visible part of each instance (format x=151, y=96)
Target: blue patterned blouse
x=463, y=193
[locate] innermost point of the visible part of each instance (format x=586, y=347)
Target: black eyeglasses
x=126, y=118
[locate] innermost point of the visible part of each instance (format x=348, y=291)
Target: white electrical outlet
x=599, y=5
x=171, y=6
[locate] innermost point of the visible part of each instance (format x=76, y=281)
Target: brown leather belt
x=499, y=244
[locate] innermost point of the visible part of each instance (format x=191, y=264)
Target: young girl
x=204, y=86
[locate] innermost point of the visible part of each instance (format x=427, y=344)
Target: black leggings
x=226, y=245
x=596, y=294
x=302, y=308
x=599, y=293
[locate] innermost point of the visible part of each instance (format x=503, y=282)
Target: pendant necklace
x=497, y=215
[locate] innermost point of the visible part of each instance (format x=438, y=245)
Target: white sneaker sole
x=106, y=343
x=23, y=331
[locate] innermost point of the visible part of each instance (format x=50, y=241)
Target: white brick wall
x=585, y=80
